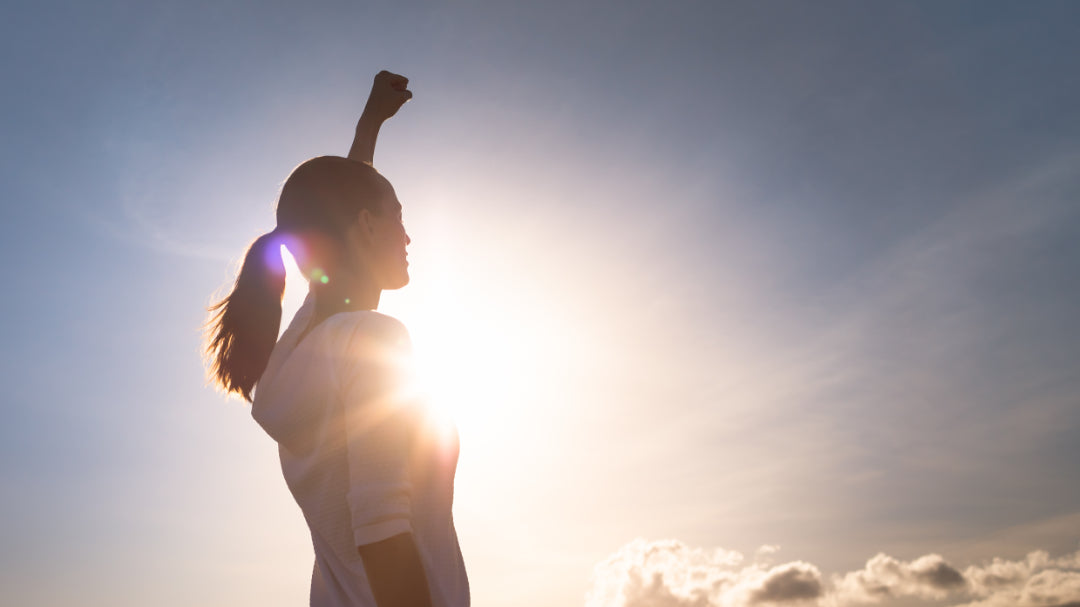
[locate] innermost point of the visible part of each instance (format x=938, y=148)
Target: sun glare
x=470, y=352
x=465, y=366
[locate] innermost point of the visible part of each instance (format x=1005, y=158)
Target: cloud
x=884, y=577
x=788, y=583
x=669, y=573
x=1035, y=581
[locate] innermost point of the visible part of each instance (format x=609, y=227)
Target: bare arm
x=379, y=426
x=395, y=572
x=388, y=93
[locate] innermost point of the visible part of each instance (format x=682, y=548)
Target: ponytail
x=243, y=327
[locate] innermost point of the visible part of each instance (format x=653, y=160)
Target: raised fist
x=388, y=94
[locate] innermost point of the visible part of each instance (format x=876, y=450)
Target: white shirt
x=362, y=459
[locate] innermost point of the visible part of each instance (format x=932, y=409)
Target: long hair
x=318, y=201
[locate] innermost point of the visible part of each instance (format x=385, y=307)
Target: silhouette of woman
x=373, y=478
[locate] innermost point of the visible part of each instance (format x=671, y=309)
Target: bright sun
x=464, y=364
x=469, y=350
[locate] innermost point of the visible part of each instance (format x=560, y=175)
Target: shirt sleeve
x=378, y=429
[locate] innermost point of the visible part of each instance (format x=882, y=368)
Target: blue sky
x=741, y=275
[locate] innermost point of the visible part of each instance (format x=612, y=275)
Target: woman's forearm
x=388, y=93
x=395, y=572
x=367, y=132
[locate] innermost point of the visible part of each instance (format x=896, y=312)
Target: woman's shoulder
x=368, y=326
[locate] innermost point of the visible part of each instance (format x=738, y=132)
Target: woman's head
x=341, y=220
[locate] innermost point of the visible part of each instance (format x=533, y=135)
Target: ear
x=366, y=223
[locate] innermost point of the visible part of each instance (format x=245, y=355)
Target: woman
x=374, y=482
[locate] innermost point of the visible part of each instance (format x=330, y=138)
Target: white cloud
x=884, y=577
x=1035, y=581
x=788, y=583
x=669, y=573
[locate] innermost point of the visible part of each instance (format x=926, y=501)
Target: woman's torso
x=303, y=401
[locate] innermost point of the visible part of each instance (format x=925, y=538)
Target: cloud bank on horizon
x=670, y=573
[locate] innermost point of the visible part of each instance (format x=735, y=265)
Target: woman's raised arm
x=388, y=93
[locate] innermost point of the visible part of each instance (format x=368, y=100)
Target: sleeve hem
x=376, y=532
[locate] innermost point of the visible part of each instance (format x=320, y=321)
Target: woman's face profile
x=389, y=242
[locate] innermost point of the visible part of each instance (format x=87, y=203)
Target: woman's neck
x=344, y=296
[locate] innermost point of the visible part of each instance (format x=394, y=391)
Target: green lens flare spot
x=319, y=275
x=348, y=301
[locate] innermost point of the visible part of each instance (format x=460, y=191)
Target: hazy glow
x=476, y=363
x=295, y=289
x=469, y=351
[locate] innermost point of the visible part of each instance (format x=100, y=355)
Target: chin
x=397, y=282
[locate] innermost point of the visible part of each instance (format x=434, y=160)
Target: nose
x=408, y=241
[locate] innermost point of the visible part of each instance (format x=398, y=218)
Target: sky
x=736, y=304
